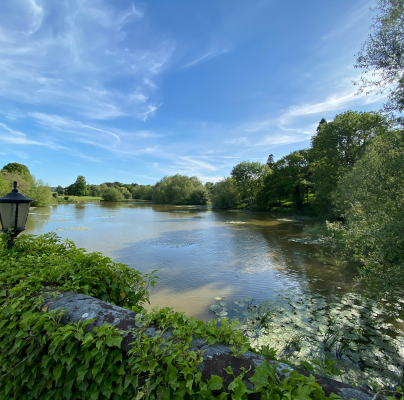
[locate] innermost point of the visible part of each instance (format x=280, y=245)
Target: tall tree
x=78, y=188
x=371, y=198
x=20, y=169
x=382, y=55
x=337, y=146
x=249, y=177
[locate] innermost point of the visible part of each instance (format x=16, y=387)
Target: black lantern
x=14, y=209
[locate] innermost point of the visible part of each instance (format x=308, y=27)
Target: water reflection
x=199, y=253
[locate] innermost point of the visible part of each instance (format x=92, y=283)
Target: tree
x=59, y=190
x=225, y=194
x=112, y=194
x=78, y=188
x=289, y=177
x=270, y=161
x=371, y=199
x=179, y=189
x=249, y=177
x=23, y=185
x=382, y=55
x=42, y=194
x=20, y=169
x=5, y=186
x=337, y=146
x=125, y=192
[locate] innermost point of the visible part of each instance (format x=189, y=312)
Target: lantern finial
x=15, y=190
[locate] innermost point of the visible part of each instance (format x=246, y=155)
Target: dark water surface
x=199, y=253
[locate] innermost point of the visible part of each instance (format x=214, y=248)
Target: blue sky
x=127, y=91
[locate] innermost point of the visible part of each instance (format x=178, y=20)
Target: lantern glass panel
x=8, y=212
x=23, y=209
x=7, y=215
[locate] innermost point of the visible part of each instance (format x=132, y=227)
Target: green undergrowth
x=347, y=337
x=41, y=358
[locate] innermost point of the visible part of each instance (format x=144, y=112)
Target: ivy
x=42, y=358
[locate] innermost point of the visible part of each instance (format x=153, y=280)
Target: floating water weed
x=354, y=334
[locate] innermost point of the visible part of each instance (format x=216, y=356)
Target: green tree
x=20, y=169
x=225, y=194
x=112, y=194
x=199, y=197
x=41, y=193
x=249, y=177
x=59, y=190
x=371, y=199
x=337, y=146
x=103, y=188
x=382, y=55
x=179, y=189
x=5, y=186
x=23, y=185
x=78, y=188
x=125, y=192
x=289, y=177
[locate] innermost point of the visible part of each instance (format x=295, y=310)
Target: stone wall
x=216, y=357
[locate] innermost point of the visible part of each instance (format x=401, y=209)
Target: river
x=200, y=254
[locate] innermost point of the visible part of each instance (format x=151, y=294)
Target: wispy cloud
x=74, y=57
x=208, y=56
x=11, y=136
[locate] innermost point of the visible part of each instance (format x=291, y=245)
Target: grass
x=73, y=199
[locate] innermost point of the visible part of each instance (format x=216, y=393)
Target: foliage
x=142, y=192
x=225, y=194
x=371, y=198
x=344, y=337
x=249, y=177
x=5, y=186
x=112, y=194
x=289, y=177
x=59, y=190
x=19, y=169
x=78, y=188
x=29, y=187
x=42, y=358
x=41, y=194
x=125, y=192
x=23, y=185
x=337, y=146
x=381, y=55
x=179, y=189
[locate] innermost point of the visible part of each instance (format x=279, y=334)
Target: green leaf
x=229, y=370
x=215, y=382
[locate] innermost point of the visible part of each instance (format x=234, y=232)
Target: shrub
x=67, y=197
x=112, y=194
x=55, y=195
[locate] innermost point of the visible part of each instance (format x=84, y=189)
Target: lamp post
x=14, y=209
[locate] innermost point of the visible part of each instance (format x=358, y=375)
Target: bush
x=40, y=357
x=67, y=197
x=112, y=194
x=55, y=195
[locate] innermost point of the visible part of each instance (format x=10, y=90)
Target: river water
x=200, y=254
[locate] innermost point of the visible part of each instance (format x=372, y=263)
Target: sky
x=128, y=91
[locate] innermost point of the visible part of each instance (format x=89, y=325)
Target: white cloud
x=12, y=136
x=209, y=55
x=74, y=56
